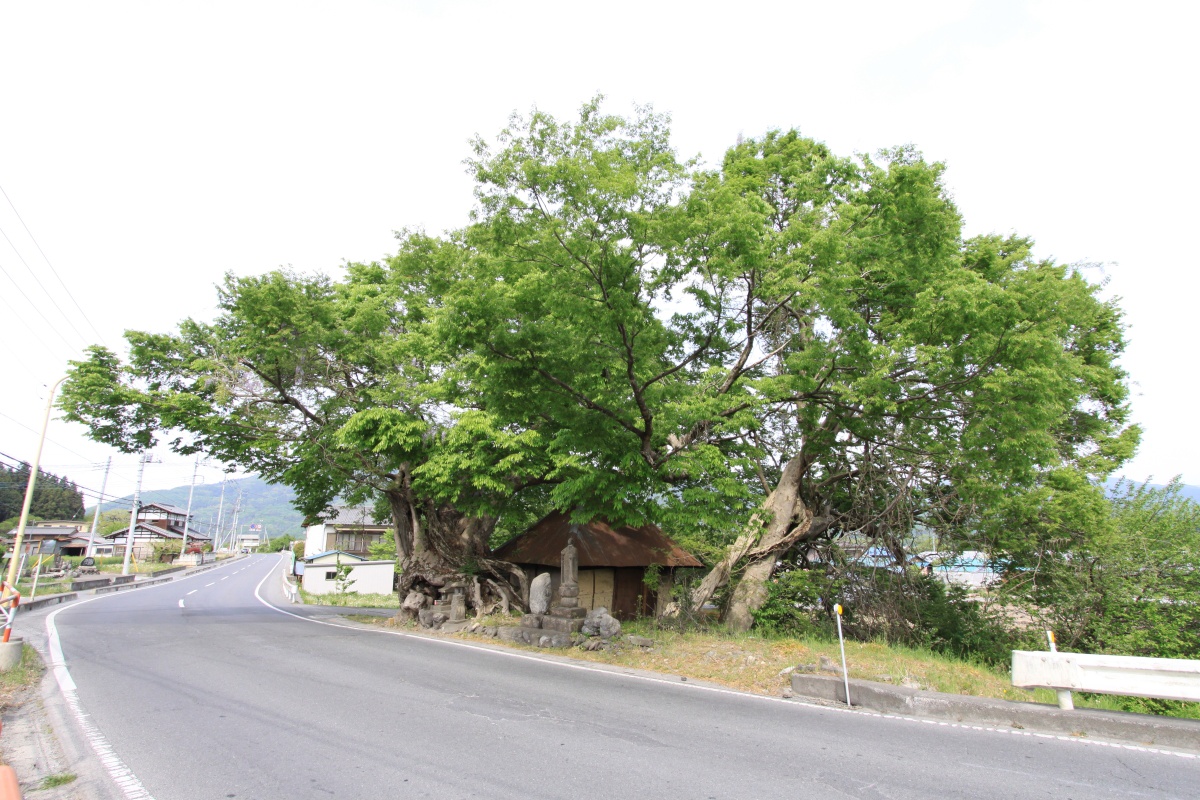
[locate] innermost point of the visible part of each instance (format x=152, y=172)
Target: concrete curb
x=136, y=585
x=48, y=600
x=1083, y=722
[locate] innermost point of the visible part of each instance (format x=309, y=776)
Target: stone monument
x=553, y=629
x=566, y=616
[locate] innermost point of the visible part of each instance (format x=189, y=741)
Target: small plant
x=342, y=581
x=58, y=779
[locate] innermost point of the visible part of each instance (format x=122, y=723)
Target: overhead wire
x=24, y=326
x=49, y=324
x=51, y=266
x=39, y=433
x=42, y=286
x=107, y=498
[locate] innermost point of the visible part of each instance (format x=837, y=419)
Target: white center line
x=225, y=578
x=209, y=584
x=193, y=591
x=181, y=603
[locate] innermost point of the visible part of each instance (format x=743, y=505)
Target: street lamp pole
x=10, y=583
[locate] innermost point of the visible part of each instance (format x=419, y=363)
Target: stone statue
x=568, y=590
x=539, y=594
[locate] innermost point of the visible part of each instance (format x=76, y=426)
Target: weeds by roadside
x=58, y=779
x=763, y=664
x=350, y=600
x=20, y=677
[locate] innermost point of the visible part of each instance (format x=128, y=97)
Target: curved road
x=212, y=686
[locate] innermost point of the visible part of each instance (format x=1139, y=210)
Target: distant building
x=71, y=542
x=349, y=529
x=156, y=522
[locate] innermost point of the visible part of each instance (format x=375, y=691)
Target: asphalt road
x=204, y=691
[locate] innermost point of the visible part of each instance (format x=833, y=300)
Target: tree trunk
x=449, y=547
x=783, y=521
x=401, y=525
x=750, y=593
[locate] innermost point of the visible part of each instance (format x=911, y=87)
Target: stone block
x=568, y=613
x=561, y=624
x=531, y=621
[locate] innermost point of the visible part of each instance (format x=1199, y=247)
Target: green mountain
x=261, y=503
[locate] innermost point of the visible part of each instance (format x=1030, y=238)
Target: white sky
x=151, y=147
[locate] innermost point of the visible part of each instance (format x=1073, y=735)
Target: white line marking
x=214, y=583
x=224, y=579
x=130, y=786
x=193, y=591
x=121, y=775
x=181, y=603
x=676, y=684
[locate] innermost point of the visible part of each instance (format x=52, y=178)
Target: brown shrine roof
x=598, y=543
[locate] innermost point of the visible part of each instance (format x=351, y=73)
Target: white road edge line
x=715, y=689
x=121, y=775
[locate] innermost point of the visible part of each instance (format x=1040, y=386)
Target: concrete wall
x=369, y=577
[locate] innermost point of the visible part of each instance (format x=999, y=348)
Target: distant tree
x=53, y=497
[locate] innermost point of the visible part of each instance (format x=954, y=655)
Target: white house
x=365, y=577
x=350, y=530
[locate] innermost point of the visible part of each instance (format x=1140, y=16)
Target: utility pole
x=220, y=512
x=137, y=497
x=99, y=503
x=188, y=518
x=233, y=529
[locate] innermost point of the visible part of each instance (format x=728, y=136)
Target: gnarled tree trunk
x=783, y=521
x=439, y=545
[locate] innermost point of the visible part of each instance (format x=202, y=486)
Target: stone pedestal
x=10, y=653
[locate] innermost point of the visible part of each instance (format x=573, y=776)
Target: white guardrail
x=1163, y=678
x=289, y=589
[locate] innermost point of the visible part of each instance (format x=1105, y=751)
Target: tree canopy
x=782, y=349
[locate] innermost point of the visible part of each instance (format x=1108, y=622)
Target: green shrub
x=879, y=605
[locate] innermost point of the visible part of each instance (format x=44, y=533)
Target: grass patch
x=21, y=677
x=350, y=600
x=58, y=779
x=756, y=663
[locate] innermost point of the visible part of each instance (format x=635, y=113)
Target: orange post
x=9, y=788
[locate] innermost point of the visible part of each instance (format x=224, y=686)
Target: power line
x=25, y=325
x=39, y=433
x=49, y=324
x=103, y=498
x=45, y=291
x=52, y=269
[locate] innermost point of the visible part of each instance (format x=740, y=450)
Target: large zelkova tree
x=333, y=388
x=787, y=348
x=797, y=344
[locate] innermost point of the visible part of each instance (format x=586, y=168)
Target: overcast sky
x=150, y=148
